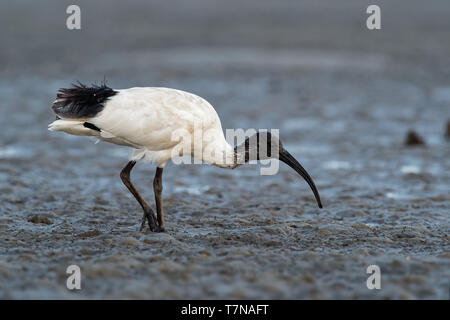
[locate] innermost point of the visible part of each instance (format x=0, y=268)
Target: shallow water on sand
x=343, y=112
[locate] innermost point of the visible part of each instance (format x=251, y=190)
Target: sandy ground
x=343, y=98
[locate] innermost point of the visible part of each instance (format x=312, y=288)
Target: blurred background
x=365, y=111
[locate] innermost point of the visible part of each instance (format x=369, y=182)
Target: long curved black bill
x=287, y=158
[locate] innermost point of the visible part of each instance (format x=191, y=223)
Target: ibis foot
x=150, y=218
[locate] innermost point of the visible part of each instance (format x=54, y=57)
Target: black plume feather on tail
x=82, y=101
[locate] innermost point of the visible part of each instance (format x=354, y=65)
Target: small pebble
x=413, y=139
x=89, y=234
x=39, y=219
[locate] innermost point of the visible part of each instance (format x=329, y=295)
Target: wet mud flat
x=343, y=111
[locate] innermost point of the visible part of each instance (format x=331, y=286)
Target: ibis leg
x=157, y=188
x=148, y=212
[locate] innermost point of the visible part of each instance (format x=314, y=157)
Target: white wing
x=147, y=117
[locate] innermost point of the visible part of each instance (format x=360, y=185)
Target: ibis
x=146, y=119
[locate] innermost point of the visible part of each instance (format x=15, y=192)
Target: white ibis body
x=146, y=119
